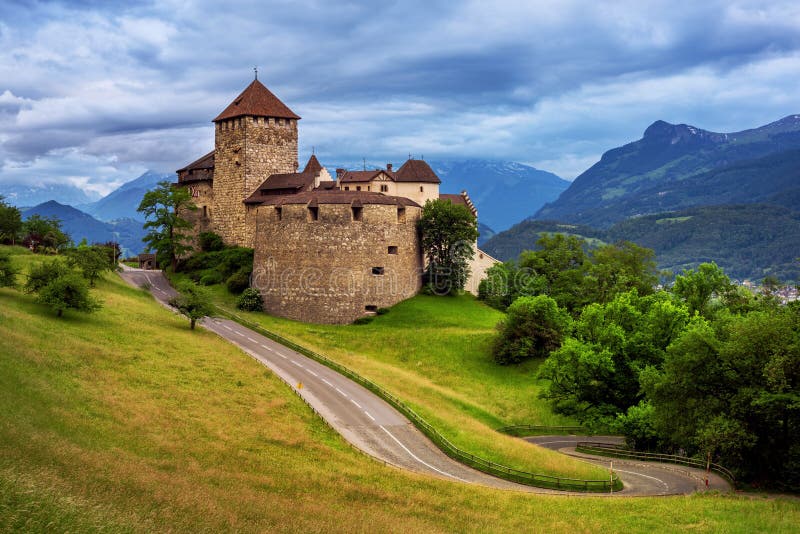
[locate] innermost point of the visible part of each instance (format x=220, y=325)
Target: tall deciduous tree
x=449, y=232
x=91, y=261
x=8, y=272
x=162, y=207
x=533, y=327
x=10, y=222
x=44, y=234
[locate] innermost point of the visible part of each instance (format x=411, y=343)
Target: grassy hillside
x=125, y=421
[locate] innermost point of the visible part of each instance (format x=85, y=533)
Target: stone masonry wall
x=247, y=150
x=322, y=271
x=203, y=197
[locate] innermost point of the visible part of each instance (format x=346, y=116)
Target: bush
x=239, y=281
x=210, y=242
x=363, y=320
x=533, y=327
x=210, y=278
x=44, y=273
x=382, y=311
x=250, y=300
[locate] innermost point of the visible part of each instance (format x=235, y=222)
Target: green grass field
x=126, y=421
x=433, y=352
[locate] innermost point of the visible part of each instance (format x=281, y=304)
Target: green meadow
x=127, y=421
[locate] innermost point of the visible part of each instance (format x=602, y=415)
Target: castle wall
x=201, y=219
x=247, y=151
x=321, y=271
x=478, y=265
x=412, y=190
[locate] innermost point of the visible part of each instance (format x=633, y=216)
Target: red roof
x=416, y=170
x=314, y=198
x=313, y=165
x=257, y=101
x=362, y=176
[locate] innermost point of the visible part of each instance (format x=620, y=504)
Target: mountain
x=746, y=240
x=680, y=166
x=80, y=225
x=484, y=233
x=504, y=192
x=23, y=195
x=123, y=201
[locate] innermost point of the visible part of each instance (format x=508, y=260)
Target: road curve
x=361, y=417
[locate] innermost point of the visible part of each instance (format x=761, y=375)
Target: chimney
x=389, y=167
x=339, y=174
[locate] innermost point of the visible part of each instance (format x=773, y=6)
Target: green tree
x=703, y=289
x=91, y=261
x=533, y=327
x=192, y=301
x=44, y=234
x=10, y=222
x=67, y=292
x=558, y=269
x=621, y=267
x=449, y=232
x=162, y=208
x=8, y=272
x=42, y=274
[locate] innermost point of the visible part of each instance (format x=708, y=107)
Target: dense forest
x=704, y=367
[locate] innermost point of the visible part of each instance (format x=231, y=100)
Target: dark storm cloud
x=113, y=87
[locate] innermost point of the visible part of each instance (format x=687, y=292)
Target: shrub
x=363, y=320
x=250, y=300
x=533, y=327
x=210, y=278
x=239, y=281
x=210, y=242
x=382, y=311
x=44, y=273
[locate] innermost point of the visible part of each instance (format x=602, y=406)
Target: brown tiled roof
x=362, y=176
x=257, y=101
x=315, y=198
x=462, y=199
x=416, y=170
x=313, y=165
x=206, y=162
x=294, y=181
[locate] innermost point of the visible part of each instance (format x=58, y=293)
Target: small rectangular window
x=347, y=188
x=313, y=213
x=377, y=270
x=279, y=212
x=392, y=250
x=421, y=189
x=371, y=308
x=205, y=212
x=358, y=188
x=384, y=188
x=401, y=215
x=369, y=188
x=357, y=213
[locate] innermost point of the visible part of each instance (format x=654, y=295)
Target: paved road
x=639, y=478
x=361, y=417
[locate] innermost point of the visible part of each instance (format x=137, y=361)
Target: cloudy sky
x=93, y=92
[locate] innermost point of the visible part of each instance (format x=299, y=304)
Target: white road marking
x=281, y=355
x=312, y=373
x=357, y=404
x=239, y=334
x=227, y=327
x=646, y=476
x=331, y=385
x=250, y=339
x=266, y=347
x=419, y=459
x=368, y=415
x=300, y=365
x=342, y=393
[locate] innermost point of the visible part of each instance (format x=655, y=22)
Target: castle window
x=401, y=215
x=313, y=213
x=392, y=249
x=421, y=189
x=347, y=188
x=279, y=212
x=358, y=188
x=369, y=188
x=371, y=308
x=205, y=212
x=358, y=213
x=384, y=188
x=377, y=270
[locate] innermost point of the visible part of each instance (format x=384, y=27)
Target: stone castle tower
x=255, y=137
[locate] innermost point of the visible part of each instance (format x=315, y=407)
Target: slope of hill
x=25, y=195
x=79, y=225
x=748, y=241
x=678, y=166
x=123, y=201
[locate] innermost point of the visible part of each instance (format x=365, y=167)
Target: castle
x=327, y=250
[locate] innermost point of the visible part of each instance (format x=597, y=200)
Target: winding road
x=376, y=428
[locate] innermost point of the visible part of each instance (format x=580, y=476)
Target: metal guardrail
x=481, y=464
x=616, y=451
x=538, y=430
